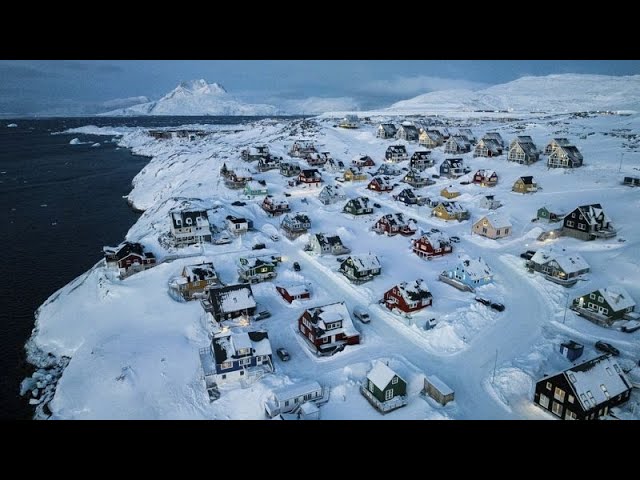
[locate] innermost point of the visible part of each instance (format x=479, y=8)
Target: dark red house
x=328, y=329
x=294, y=292
x=380, y=184
x=363, y=161
x=310, y=177
x=394, y=223
x=408, y=297
x=428, y=246
x=129, y=257
x=485, y=178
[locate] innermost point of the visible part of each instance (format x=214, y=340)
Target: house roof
x=476, y=268
x=528, y=180
x=233, y=297
x=396, y=149
x=380, y=375
x=596, y=381
x=407, y=192
x=295, y=290
x=389, y=128
x=486, y=173
x=328, y=240
x=333, y=312
x=560, y=141
x=591, y=212
x=494, y=136
x=492, y=144
x=360, y=202
x=124, y=249
x=331, y=191
x=453, y=162
x=437, y=240
x=414, y=291
x=254, y=185
x=383, y=182
x=387, y=169
x=225, y=346
x=461, y=141
x=198, y=217
x=617, y=297
x=300, y=217
x=304, y=143
x=365, y=261
x=452, y=207
x=310, y=173
x=569, y=263
x=421, y=155
x=361, y=158
x=572, y=152
x=396, y=219
x=442, y=387
x=253, y=262
x=296, y=390
x=202, y=271
x=276, y=202
x=236, y=220
x=497, y=220
x=434, y=135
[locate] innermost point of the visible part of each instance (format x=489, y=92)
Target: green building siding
x=399, y=389
x=604, y=304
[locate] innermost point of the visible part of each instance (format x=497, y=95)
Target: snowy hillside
x=553, y=93
x=196, y=97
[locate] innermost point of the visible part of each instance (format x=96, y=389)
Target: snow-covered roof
x=360, y=202
x=380, y=375
x=310, y=173
x=233, y=297
x=560, y=141
x=439, y=385
x=201, y=271
x=414, y=291
x=461, y=141
x=591, y=212
x=437, y=240
x=476, y=268
x=241, y=341
x=497, y=220
x=486, y=173
x=332, y=191
x=383, y=182
x=396, y=218
x=491, y=144
x=396, y=149
x=252, y=262
x=226, y=346
x=180, y=218
x=568, y=262
x=572, y=152
x=296, y=390
x=296, y=290
x=453, y=162
x=328, y=240
x=617, y=297
x=453, y=207
x=528, y=180
x=332, y=313
x=596, y=381
x=493, y=136
x=254, y=185
x=366, y=261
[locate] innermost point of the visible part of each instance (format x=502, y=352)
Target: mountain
x=196, y=97
x=552, y=93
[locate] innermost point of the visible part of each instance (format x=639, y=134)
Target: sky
x=58, y=87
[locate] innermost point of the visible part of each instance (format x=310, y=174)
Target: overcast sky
x=78, y=86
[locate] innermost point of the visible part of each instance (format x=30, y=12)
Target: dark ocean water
x=59, y=204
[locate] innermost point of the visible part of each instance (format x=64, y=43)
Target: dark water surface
x=59, y=204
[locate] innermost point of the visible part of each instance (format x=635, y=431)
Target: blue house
x=237, y=356
x=473, y=272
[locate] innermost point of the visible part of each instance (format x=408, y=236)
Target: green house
x=384, y=388
x=612, y=302
x=546, y=213
x=257, y=269
x=255, y=189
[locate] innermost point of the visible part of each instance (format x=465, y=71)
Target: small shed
x=438, y=390
x=309, y=411
x=632, y=181
x=572, y=350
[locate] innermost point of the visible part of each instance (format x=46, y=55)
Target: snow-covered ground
x=134, y=350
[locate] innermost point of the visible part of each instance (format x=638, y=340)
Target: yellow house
x=354, y=174
x=493, y=226
x=450, y=211
x=449, y=192
x=525, y=185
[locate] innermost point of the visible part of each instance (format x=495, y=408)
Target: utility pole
x=620, y=167
x=565, y=309
x=495, y=364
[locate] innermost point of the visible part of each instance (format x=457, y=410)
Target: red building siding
x=400, y=302
x=423, y=248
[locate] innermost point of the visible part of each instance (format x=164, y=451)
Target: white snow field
x=134, y=350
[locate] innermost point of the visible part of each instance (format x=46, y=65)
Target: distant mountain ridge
x=551, y=93
x=196, y=97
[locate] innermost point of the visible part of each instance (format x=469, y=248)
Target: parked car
x=283, y=354
x=238, y=203
x=275, y=238
x=377, y=205
x=432, y=322
x=296, y=266
x=483, y=301
x=435, y=230
x=455, y=239
x=361, y=314
x=340, y=259
x=497, y=306
x=465, y=182
x=435, y=176
x=287, y=194
x=262, y=315
x=258, y=246
x=528, y=254
x=607, y=348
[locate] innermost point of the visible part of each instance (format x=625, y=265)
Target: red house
x=328, y=329
x=380, y=184
x=394, y=223
x=310, y=177
x=363, y=161
x=275, y=206
x=129, y=257
x=294, y=292
x=408, y=297
x=485, y=178
x=429, y=246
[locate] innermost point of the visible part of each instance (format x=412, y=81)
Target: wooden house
x=522, y=150
x=489, y=202
x=457, y=144
x=408, y=132
x=295, y=225
x=331, y=194
x=195, y=280
x=251, y=154
x=322, y=244
x=386, y=130
x=334, y=165
x=310, y=178
x=525, y=185
x=421, y=160
x=328, y=329
x=438, y=390
x=237, y=178
x=362, y=161
x=257, y=269
x=416, y=180
x=268, y=163
x=493, y=226
x=189, y=227
x=565, y=157
x=485, y=178
x=430, y=138
x=408, y=297
x=431, y=245
x=291, y=399
x=452, y=168
x=407, y=197
x=584, y=392
x=317, y=159
x=358, y=206
x=549, y=214
x=128, y=258
x=558, y=266
x=450, y=211
x=361, y=268
x=237, y=225
x=396, y=153
x=230, y=302
x=470, y=272
x=450, y=192
x=275, y=206
x=556, y=143
x=384, y=389
x=588, y=222
x=355, y=174
x=394, y=223
x=387, y=170
x=349, y=121
x=487, y=147
x=496, y=137
x=380, y=184
x=300, y=148
x=256, y=189
x=466, y=132
x=289, y=169
x=609, y=304
x=294, y=292
x=234, y=357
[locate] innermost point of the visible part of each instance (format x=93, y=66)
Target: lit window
x=388, y=395
x=559, y=394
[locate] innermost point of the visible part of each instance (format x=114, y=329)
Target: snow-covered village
x=406, y=263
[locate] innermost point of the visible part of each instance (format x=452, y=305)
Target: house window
x=484, y=230
x=394, y=381
x=226, y=365
x=569, y=415
x=556, y=408
x=370, y=386
x=600, y=299
x=241, y=372
x=506, y=231
x=592, y=296
x=245, y=361
x=558, y=394
x=498, y=232
x=388, y=395
x=325, y=340
x=549, y=386
x=573, y=215
x=570, y=223
x=544, y=401
x=582, y=226
x=571, y=399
